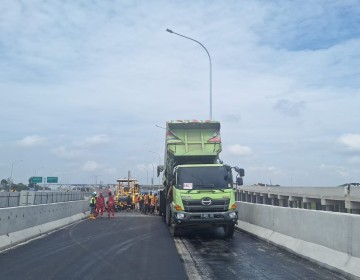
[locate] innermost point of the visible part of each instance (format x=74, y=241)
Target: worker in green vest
x=92, y=206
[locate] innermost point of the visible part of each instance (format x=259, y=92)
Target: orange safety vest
x=111, y=201
x=100, y=201
x=152, y=200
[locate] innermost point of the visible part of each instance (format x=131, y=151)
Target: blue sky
x=83, y=84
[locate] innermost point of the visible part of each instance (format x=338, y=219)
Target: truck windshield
x=207, y=177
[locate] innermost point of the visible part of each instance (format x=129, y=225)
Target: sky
x=84, y=86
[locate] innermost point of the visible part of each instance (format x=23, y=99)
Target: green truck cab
x=198, y=187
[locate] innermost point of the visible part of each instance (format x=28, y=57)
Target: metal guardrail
x=345, y=199
x=14, y=199
x=9, y=199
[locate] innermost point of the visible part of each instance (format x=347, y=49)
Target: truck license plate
x=207, y=216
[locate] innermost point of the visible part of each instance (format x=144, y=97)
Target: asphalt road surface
x=208, y=255
x=133, y=246
x=129, y=246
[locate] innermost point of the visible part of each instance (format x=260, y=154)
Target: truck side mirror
x=160, y=168
x=240, y=171
x=239, y=181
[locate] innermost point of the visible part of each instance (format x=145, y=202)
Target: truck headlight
x=232, y=215
x=180, y=216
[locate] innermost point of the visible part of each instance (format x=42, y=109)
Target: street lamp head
x=160, y=126
x=170, y=31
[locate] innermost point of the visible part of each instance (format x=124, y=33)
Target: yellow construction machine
x=125, y=188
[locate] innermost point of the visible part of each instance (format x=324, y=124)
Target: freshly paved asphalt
x=133, y=246
x=208, y=255
x=129, y=246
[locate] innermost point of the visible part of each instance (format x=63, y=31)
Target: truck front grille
x=196, y=205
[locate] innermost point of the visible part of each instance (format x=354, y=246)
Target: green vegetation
x=5, y=186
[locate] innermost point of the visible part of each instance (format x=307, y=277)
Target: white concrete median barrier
x=328, y=238
x=19, y=224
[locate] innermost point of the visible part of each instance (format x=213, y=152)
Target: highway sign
x=52, y=179
x=36, y=180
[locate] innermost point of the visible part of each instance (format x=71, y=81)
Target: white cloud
x=31, y=141
x=97, y=139
x=327, y=167
x=341, y=170
x=290, y=108
x=141, y=167
x=354, y=160
x=343, y=173
x=266, y=170
x=110, y=170
x=351, y=141
x=239, y=150
x=64, y=152
x=90, y=165
x=94, y=79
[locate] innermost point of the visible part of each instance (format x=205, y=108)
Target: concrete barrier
x=23, y=198
x=9, y=199
x=328, y=238
x=19, y=224
x=47, y=197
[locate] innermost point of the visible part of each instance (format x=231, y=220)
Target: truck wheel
x=229, y=230
x=174, y=231
x=168, y=215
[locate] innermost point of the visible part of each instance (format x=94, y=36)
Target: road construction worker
x=100, y=205
x=136, y=202
x=157, y=203
x=111, y=205
x=128, y=203
x=92, y=206
x=141, y=203
x=146, y=203
x=152, y=203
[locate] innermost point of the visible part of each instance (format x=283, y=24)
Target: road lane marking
x=195, y=267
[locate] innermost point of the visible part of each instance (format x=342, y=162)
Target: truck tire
x=229, y=230
x=174, y=230
x=168, y=215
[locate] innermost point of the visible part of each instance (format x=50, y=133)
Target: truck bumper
x=205, y=218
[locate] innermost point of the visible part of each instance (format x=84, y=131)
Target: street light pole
x=170, y=31
x=12, y=167
x=158, y=156
x=152, y=179
x=96, y=176
x=159, y=161
x=36, y=169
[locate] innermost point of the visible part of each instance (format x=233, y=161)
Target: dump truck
x=199, y=190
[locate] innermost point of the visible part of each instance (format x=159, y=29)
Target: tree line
x=6, y=183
